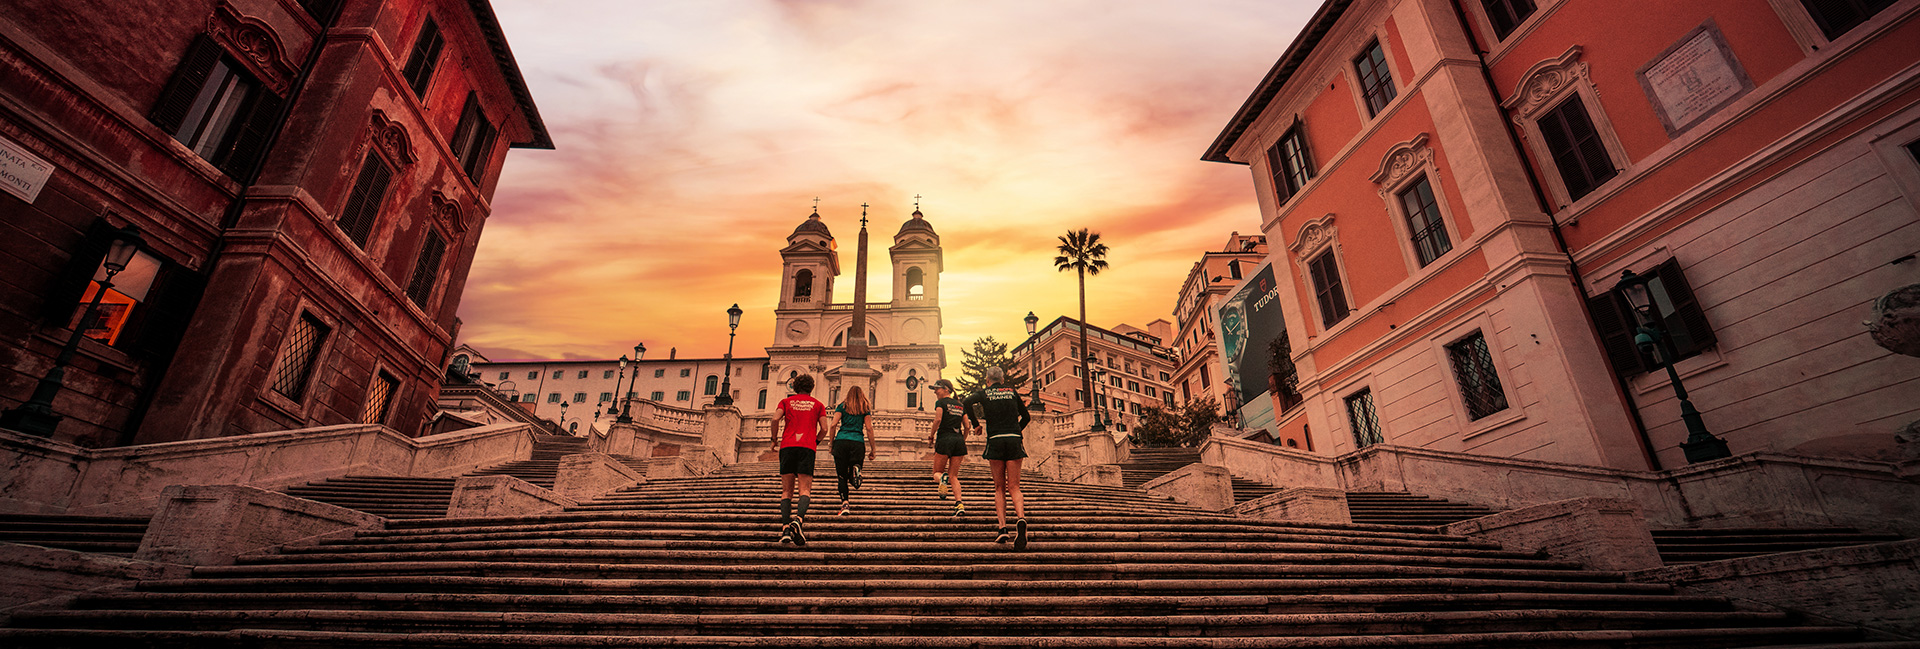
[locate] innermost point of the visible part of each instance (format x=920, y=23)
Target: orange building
x=1454, y=188
x=1196, y=339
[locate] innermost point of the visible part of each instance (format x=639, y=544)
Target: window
x=1076, y=371
x=763, y=371
x=1836, y=17
x=803, y=285
x=1291, y=170
x=1133, y=385
x=1479, y=383
x=1576, y=147
x=1050, y=378
x=127, y=295
x=1205, y=381
x=1166, y=377
x=1151, y=392
x=579, y=397
x=580, y=375
x=1376, y=82
x=1679, y=311
x=527, y=398
x=684, y=373
x=1366, y=426
x=1186, y=391
x=426, y=269
x=532, y=375
x=473, y=139
x=1115, y=381
x=425, y=56
x=559, y=373
x=503, y=376
x=573, y=427
x=553, y=397
x=1505, y=15
x=606, y=396
x=659, y=374
x=683, y=395
x=363, y=203
x=607, y=374
x=713, y=384
x=632, y=395
x=916, y=285
x=1913, y=149
x=217, y=110
x=1326, y=287
x=763, y=400
x=303, y=346
x=379, y=398
x=658, y=396
x=1423, y=222
x=913, y=399
x=1167, y=397
x=1080, y=396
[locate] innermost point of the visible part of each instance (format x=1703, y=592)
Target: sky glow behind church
x=693, y=136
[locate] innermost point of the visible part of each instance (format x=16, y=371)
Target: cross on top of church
x=916, y=202
x=816, y=203
x=863, y=216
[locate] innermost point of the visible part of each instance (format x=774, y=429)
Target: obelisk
x=857, y=337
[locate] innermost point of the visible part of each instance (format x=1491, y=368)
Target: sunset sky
x=693, y=135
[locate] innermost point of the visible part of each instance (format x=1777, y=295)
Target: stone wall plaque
x=1693, y=78
x=22, y=173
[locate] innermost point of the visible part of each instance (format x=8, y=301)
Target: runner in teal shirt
x=855, y=425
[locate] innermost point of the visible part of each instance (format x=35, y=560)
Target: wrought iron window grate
x=1479, y=383
x=1366, y=425
x=302, y=348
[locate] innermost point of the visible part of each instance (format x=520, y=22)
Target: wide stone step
x=728, y=534
x=953, y=554
x=1012, y=571
x=602, y=623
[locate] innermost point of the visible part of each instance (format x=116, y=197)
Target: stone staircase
x=115, y=535
x=410, y=498
x=1145, y=464
x=1698, y=545
x=692, y=562
x=1400, y=508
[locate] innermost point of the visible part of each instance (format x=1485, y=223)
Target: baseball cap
x=943, y=383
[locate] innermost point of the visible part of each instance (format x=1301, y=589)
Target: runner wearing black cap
x=949, y=439
x=1005, y=415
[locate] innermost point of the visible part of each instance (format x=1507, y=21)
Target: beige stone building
x=1135, y=368
x=1212, y=278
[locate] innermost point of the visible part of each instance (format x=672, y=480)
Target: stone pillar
x=621, y=440
x=1314, y=504
x=722, y=433
x=1102, y=474
x=584, y=476
x=208, y=525
x=501, y=495
x=1200, y=485
x=1600, y=533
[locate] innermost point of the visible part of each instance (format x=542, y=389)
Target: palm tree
x=1082, y=251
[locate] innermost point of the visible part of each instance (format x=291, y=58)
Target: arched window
x=713, y=384
x=763, y=400
x=916, y=284
x=573, y=427
x=841, y=338
x=803, y=285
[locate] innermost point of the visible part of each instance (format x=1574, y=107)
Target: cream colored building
x=903, y=332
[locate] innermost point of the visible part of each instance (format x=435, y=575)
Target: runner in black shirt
x=949, y=439
x=1005, y=415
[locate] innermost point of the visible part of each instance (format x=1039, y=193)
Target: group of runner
x=800, y=420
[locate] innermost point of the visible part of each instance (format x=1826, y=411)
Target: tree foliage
x=1082, y=253
x=986, y=353
x=1186, y=426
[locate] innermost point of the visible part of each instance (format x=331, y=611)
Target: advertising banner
x=1249, y=322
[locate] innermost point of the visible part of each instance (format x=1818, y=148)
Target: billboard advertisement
x=1249, y=321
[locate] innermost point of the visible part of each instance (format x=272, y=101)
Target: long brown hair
x=856, y=402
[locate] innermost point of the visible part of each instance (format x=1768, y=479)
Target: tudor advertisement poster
x=1249, y=321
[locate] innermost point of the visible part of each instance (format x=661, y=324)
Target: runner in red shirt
x=800, y=415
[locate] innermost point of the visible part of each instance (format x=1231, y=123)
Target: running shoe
x=942, y=479
x=856, y=477
x=1004, y=536
x=786, y=534
x=845, y=509
x=1020, y=534
x=959, y=509
x=799, y=533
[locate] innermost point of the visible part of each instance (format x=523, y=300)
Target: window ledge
x=1493, y=422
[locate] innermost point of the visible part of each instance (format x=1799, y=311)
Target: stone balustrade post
x=1204, y=486
x=721, y=433
x=584, y=476
x=209, y=525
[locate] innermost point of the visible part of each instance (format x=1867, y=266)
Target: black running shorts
x=1004, y=448
x=950, y=444
x=796, y=460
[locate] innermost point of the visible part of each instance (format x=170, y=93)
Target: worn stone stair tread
x=957, y=553
x=757, y=541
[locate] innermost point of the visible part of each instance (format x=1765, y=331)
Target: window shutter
x=425, y=57
x=482, y=148
x=250, y=146
x=1616, y=328
x=369, y=190
x=177, y=98
x=159, y=323
x=1277, y=164
x=63, y=296
x=426, y=269
x=1686, y=308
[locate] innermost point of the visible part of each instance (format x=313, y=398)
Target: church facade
x=811, y=331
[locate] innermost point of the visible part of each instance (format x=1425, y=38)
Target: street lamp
x=1033, y=354
x=617, y=394
x=726, y=383
x=37, y=417
x=626, y=402
x=1094, y=396
x=563, y=417
x=1653, y=340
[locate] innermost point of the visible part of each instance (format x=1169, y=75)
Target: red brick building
x=310, y=179
x=1455, y=187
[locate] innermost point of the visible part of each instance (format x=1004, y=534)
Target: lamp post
x=37, y=417
x=626, y=403
x=1652, y=338
x=563, y=417
x=726, y=382
x=1033, y=355
x=1094, y=397
x=617, y=394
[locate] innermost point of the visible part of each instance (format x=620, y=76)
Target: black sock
x=803, y=506
x=786, y=510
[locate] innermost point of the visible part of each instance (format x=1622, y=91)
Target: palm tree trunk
x=1086, y=373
